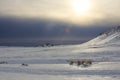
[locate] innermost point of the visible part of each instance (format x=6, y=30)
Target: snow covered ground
x=49, y=63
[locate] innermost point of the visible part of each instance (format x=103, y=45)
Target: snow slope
x=110, y=37
x=49, y=63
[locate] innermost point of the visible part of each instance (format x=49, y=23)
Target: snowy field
x=50, y=63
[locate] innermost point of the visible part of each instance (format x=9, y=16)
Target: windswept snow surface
x=49, y=63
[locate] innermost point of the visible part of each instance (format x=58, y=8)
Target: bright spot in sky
x=81, y=7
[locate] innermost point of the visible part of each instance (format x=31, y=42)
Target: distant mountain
x=110, y=37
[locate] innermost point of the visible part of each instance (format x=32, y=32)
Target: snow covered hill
x=108, y=38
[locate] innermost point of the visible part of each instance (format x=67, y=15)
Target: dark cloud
x=16, y=30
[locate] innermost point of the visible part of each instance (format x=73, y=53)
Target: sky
x=59, y=21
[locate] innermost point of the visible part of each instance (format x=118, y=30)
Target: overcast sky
x=73, y=20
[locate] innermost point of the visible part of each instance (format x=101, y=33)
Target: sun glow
x=81, y=7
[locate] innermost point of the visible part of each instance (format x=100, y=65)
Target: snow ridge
x=109, y=37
